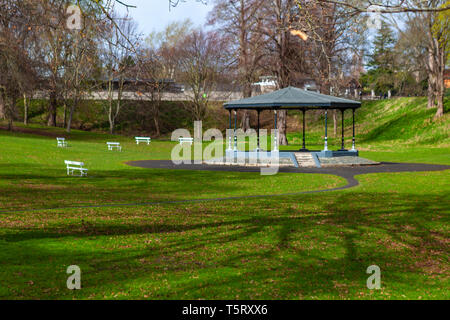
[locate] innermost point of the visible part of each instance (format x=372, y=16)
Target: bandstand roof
x=292, y=98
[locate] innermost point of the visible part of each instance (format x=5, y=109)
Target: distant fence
x=166, y=96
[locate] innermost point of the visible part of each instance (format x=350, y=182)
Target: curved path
x=347, y=173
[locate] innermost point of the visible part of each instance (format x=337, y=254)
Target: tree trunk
x=244, y=63
x=72, y=109
x=65, y=113
x=440, y=106
x=10, y=113
x=245, y=121
x=335, y=123
x=2, y=106
x=440, y=92
x=113, y=114
x=6, y=109
x=25, y=109
x=247, y=92
x=156, y=121
x=431, y=98
x=111, y=126
x=52, y=110
x=440, y=81
x=110, y=115
x=76, y=87
x=10, y=124
x=281, y=124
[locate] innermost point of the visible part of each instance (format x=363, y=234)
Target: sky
x=155, y=15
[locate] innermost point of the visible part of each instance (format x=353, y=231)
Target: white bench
x=188, y=140
x=112, y=145
x=62, y=143
x=143, y=139
x=75, y=166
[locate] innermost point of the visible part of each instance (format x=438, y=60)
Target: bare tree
x=16, y=77
x=159, y=64
x=202, y=57
x=431, y=29
x=17, y=74
x=388, y=6
x=241, y=20
x=117, y=56
x=153, y=72
x=334, y=37
x=170, y=35
x=83, y=60
x=281, y=58
x=430, y=18
x=54, y=44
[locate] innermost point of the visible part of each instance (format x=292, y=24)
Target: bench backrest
x=186, y=139
x=113, y=143
x=74, y=163
x=61, y=139
x=143, y=138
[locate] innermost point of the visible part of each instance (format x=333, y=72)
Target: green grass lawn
x=32, y=167
x=310, y=246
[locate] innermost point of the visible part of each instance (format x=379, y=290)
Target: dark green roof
x=293, y=98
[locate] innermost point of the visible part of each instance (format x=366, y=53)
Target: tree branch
x=386, y=8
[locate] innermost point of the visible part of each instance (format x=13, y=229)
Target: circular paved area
x=347, y=173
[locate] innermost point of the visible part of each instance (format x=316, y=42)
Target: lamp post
x=326, y=131
x=354, y=139
x=235, y=128
x=343, y=133
x=275, y=146
x=257, y=133
x=304, y=131
x=229, y=139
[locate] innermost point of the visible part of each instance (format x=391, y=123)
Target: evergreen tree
x=380, y=77
x=383, y=53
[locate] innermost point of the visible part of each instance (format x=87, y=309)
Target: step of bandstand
x=305, y=160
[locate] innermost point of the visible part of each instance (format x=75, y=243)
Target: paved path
x=347, y=173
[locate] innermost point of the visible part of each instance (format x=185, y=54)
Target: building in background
x=447, y=78
x=266, y=84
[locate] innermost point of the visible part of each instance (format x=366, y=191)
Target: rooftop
x=293, y=98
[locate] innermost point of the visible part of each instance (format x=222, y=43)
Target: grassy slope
x=405, y=122
x=291, y=247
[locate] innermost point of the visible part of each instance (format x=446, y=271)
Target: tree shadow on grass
x=305, y=250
